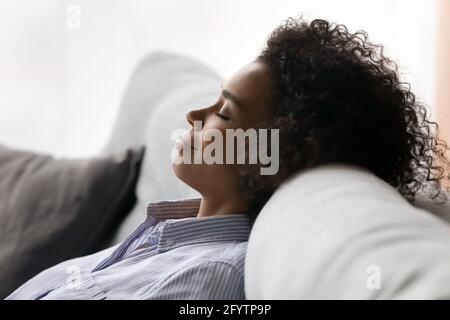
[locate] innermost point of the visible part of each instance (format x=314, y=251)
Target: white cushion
x=338, y=232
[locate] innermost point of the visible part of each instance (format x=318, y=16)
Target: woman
x=333, y=96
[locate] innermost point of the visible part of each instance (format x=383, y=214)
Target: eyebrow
x=228, y=95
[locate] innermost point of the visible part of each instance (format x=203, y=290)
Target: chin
x=178, y=170
x=186, y=173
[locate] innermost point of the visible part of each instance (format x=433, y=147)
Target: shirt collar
x=181, y=226
x=173, y=209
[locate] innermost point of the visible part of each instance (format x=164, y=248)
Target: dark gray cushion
x=52, y=209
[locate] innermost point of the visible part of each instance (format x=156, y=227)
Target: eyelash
x=220, y=115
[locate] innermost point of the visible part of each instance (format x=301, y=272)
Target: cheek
x=215, y=149
x=218, y=139
x=227, y=150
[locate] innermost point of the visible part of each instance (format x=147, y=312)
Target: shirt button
x=170, y=242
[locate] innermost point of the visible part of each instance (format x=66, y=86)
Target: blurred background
x=65, y=64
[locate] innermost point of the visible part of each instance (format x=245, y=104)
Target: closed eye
x=222, y=116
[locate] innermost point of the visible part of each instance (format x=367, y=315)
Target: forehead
x=251, y=84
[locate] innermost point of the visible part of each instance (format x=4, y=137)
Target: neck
x=212, y=206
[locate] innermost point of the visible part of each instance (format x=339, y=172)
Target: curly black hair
x=339, y=99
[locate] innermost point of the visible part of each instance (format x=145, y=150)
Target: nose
x=196, y=115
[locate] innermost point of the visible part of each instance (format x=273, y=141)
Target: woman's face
x=244, y=100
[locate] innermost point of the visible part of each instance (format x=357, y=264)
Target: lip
x=184, y=141
x=179, y=144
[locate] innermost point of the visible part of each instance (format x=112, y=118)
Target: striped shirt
x=172, y=255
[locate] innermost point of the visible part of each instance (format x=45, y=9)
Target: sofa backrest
x=339, y=232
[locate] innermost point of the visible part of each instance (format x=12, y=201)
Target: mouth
x=184, y=142
x=179, y=145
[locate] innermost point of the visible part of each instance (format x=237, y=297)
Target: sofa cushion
x=338, y=232
x=52, y=209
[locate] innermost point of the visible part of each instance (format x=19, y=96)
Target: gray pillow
x=52, y=209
